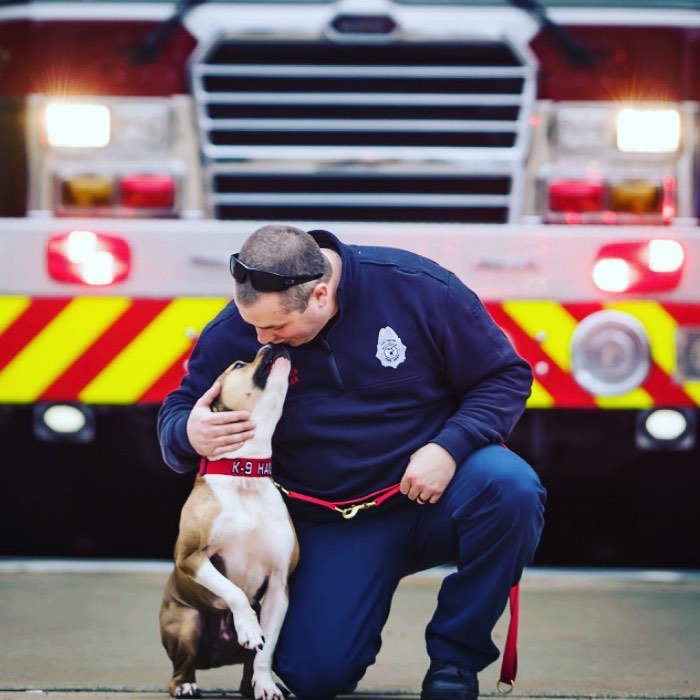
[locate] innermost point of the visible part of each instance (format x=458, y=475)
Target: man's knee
x=312, y=678
x=498, y=482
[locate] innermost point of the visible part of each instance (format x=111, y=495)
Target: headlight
x=648, y=130
x=71, y=125
x=121, y=124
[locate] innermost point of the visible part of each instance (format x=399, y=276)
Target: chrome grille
x=413, y=131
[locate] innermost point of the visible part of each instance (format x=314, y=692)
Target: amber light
x=87, y=191
x=88, y=258
x=147, y=191
x=636, y=197
x=576, y=196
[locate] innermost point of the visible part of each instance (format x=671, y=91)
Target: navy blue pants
x=488, y=522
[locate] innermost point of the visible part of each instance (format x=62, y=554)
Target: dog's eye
x=238, y=365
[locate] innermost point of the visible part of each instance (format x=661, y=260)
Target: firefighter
x=390, y=449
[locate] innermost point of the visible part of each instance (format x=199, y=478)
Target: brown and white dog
x=235, y=548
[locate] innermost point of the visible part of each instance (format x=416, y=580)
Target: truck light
x=666, y=429
x=584, y=129
x=87, y=191
x=639, y=266
x=610, y=353
x=70, y=125
x=576, y=196
x=637, y=197
x=648, y=130
x=86, y=257
x=58, y=422
x=613, y=275
x=147, y=191
x=688, y=353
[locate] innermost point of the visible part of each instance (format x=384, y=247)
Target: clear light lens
x=665, y=256
x=77, y=125
x=585, y=129
x=648, y=130
x=63, y=418
x=610, y=353
x=613, y=275
x=141, y=125
x=666, y=424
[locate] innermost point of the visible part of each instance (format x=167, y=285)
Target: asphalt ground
x=72, y=630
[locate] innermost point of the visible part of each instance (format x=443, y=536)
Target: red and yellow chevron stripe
x=542, y=331
x=97, y=350
x=118, y=350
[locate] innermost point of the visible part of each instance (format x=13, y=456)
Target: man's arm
x=187, y=427
x=492, y=381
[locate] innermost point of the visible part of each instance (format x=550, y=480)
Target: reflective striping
x=57, y=346
x=540, y=397
x=660, y=327
x=152, y=352
x=32, y=321
x=639, y=398
x=693, y=390
x=98, y=356
x=555, y=381
x=547, y=322
x=11, y=308
x=113, y=350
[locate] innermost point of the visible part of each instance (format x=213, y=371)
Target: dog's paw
x=248, y=630
x=188, y=690
x=265, y=688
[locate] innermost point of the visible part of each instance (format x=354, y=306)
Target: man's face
x=274, y=324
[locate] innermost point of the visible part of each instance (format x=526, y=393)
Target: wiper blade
x=576, y=53
x=148, y=50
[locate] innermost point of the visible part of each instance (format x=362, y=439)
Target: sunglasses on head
x=265, y=281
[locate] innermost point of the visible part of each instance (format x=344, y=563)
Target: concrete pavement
x=72, y=631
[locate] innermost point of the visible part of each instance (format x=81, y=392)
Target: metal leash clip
x=352, y=511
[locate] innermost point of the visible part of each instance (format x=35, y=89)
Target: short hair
x=286, y=250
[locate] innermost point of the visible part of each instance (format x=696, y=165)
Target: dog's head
x=244, y=384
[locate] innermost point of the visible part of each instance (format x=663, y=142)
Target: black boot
x=444, y=681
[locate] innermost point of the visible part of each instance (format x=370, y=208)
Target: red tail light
x=147, y=191
x=639, y=266
x=576, y=196
x=86, y=257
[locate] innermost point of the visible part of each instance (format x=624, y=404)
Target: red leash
x=349, y=509
x=509, y=663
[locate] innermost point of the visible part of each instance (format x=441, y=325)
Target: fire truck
x=546, y=152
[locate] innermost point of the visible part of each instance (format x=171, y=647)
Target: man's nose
x=265, y=337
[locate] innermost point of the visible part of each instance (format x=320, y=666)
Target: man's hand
x=215, y=433
x=429, y=471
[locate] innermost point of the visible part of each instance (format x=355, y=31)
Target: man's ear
x=320, y=294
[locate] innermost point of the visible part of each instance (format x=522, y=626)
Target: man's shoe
x=444, y=681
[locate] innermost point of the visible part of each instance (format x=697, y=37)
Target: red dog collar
x=251, y=466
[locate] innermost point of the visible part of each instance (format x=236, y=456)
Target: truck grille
x=363, y=132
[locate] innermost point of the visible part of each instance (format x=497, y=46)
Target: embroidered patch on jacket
x=391, y=352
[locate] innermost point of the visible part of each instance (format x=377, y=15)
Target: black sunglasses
x=265, y=281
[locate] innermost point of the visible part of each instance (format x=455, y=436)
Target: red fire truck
x=546, y=152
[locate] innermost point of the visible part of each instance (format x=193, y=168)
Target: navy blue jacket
x=351, y=421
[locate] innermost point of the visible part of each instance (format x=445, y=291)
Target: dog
x=226, y=599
